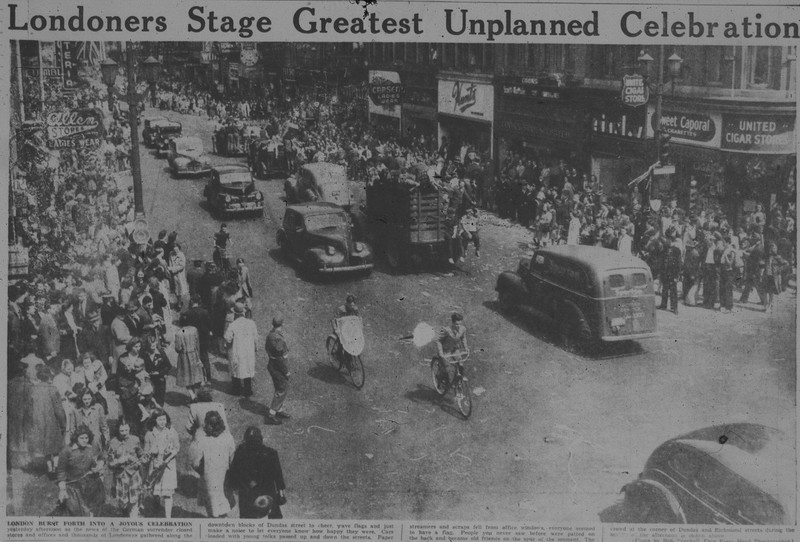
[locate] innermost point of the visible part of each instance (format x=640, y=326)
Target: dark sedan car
x=736, y=474
x=320, y=236
x=231, y=190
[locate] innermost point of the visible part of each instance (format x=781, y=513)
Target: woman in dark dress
x=157, y=365
x=80, y=486
x=256, y=473
x=128, y=385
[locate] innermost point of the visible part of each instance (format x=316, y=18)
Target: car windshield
x=321, y=222
x=237, y=177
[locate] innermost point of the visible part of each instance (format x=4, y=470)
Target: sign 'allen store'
x=74, y=129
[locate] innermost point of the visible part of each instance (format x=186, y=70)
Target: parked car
x=231, y=190
x=186, y=157
x=741, y=473
x=164, y=133
x=319, y=235
x=148, y=131
x=591, y=294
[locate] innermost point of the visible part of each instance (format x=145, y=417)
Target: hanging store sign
x=233, y=71
x=764, y=134
x=385, y=93
x=67, y=53
x=466, y=99
x=635, y=91
x=688, y=126
x=78, y=128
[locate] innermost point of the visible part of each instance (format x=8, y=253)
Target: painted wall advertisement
x=763, y=134
x=385, y=93
x=466, y=99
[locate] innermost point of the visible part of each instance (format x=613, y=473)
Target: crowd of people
x=88, y=332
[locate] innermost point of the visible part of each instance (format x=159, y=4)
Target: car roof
x=233, y=168
x=156, y=118
x=168, y=123
x=594, y=257
x=315, y=208
x=764, y=456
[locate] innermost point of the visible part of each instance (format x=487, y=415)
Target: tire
x=464, y=397
x=332, y=347
x=505, y=299
x=393, y=256
x=439, y=376
x=574, y=334
x=356, y=370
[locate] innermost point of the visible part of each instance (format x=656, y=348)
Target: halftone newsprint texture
x=399, y=271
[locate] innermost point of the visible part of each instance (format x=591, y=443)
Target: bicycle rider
x=222, y=239
x=348, y=309
x=453, y=340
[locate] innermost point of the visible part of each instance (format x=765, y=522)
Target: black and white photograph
x=551, y=283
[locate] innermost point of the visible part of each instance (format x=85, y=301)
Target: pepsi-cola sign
x=635, y=91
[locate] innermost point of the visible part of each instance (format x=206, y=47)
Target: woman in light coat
x=211, y=454
x=190, y=365
x=177, y=268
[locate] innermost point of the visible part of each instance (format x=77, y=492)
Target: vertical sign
x=69, y=64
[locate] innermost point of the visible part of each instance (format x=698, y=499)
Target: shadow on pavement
x=426, y=394
x=221, y=366
x=326, y=373
x=545, y=332
x=253, y=407
x=177, y=399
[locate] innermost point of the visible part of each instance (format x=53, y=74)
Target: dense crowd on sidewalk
x=88, y=329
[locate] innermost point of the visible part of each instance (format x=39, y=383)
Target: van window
x=639, y=279
x=616, y=281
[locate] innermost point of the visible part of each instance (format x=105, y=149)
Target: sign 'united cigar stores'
x=634, y=90
x=77, y=128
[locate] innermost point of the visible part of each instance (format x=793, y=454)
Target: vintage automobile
x=319, y=236
x=186, y=157
x=231, y=190
x=234, y=141
x=148, y=131
x=267, y=158
x=164, y=133
x=739, y=474
x=591, y=294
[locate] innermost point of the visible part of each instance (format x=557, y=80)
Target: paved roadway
x=553, y=436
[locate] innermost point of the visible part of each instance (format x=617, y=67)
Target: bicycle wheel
x=332, y=347
x=356, y=370
x=464, y=397
x=439, y=375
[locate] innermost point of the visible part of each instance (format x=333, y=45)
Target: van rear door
x=628, y=303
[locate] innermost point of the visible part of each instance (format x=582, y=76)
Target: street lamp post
x=109, y=70
x=674, y=63
x=151, y=67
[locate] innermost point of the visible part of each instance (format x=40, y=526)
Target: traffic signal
x=665, y=149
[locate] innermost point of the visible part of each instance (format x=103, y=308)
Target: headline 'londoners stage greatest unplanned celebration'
x=418, y=281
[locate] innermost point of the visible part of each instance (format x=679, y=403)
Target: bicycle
x=347, y=355
x=459, y=383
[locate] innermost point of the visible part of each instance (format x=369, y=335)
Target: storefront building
x=465, y=112
x=618, y=149
x=738, y=154
x=419, y=105
x=540, y=118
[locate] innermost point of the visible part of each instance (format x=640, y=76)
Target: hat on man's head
x=238, y=308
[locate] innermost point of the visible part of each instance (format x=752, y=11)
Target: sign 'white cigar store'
x=308, y=21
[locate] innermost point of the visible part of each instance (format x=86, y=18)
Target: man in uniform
x=278, y=368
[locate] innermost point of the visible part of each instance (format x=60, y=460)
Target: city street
x=553, y=436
